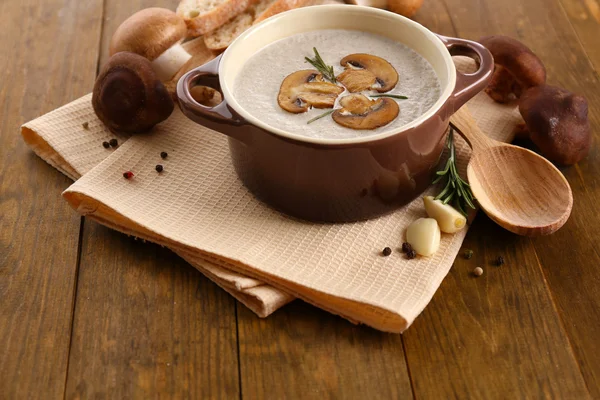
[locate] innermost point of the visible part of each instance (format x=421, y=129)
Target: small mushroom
x=517, y=68
x=156, y=34
x=408, y=8
x=557, y=121
x=360, y=112
x=367, y=72
x=128, y=96
x=304, y=89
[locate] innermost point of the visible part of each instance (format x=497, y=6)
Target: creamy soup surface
x=257, y=85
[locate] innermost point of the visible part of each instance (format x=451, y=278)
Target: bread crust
x=213, y=19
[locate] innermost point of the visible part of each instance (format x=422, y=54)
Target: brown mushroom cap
x=128, y=96
x=558, y=123
x=304, y=89
x=149, y=33
x=517, y=68
x=408, y=8
x=367, y=72
x=360, y=112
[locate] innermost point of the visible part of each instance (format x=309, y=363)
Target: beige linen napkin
x=199, y=208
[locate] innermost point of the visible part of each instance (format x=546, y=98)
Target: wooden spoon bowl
x=517, y=188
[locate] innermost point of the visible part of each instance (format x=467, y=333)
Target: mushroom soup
x=278, y=86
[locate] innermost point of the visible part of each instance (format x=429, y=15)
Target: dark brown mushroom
x=367, y=72
x=557, y=121
x=360, y=112
x=517, y=68
x=304, y=89
x=128, y=96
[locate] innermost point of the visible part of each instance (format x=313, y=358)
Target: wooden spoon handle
x=463, y=122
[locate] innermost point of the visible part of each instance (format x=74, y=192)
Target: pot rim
x=285, y=17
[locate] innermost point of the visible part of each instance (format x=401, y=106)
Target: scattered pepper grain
x=468, y=254
x=387, y=251
x=113, y=142
x=86, y=125
x=159, y=168
x=163, y=154
x=406, y=247
x=106, y=145
x=478, y=271
x=411, y=254
x=128, y=175
x=500, y=261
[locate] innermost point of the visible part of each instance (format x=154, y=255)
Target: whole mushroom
x=128, y=96
x=557, y=122
x=517, y=68
x=408, y=8
x=156, y=34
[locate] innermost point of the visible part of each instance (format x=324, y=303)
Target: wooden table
x=89, y=313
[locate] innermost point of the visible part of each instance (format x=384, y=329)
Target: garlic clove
x=447, y=217
x=424, y=236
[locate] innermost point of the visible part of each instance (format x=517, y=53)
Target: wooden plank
x=569, y=258
x=48, y=58
x=493, y=337
x=498, y=336
x=146, y=323
x=46, y=61
x=301, y=352
x=585, y=19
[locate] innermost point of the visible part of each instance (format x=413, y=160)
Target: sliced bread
x=221, y=38
x=203, y=16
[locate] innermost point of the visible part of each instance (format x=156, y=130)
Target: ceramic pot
x=336, y=180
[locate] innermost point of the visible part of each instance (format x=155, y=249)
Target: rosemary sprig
x=456, y=190
x=394, y=96
x=319, y=64
x=326, y=113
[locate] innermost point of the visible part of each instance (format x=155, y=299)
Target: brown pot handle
x=468, y=85
x=221, y=117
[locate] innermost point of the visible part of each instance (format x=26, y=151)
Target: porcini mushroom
x=557, y=121
x=517, y=68
x=156, y=34
x=304, y=89
x=367, y=72
x=360, y=112
x=128, y=96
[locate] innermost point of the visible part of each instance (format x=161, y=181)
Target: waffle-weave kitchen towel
x=199, y=208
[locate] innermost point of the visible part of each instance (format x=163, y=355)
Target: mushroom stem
x=168, y=63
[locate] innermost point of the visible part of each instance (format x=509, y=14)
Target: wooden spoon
x=517, y=188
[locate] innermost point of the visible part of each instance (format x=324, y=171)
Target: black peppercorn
x=468, y=254
x=106, y=145
x=411, y=254
x=500, y=261
x=387, y=251
x=406, y=247
x=159, y=168
x=127, y=174
x=113, y=142
x=163, y=154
